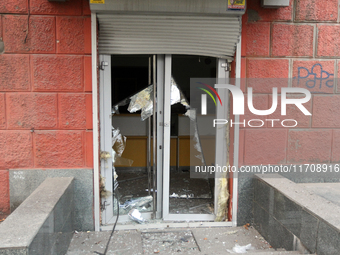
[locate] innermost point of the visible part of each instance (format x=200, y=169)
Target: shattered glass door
x=127, y=99
x=146, y=145
x=132, y=110
x=189, y=195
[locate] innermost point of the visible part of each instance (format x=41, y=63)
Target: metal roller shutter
x=214, y=36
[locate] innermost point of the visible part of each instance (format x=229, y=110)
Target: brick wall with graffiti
x=298, y=44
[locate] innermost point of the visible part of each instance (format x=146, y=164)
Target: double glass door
x=143, y=104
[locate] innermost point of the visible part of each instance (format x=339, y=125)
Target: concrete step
x=273, y=252
x=329, y=191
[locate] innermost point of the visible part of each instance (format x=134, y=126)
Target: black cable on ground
x=113, y=230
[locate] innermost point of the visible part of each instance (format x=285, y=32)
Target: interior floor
x=187, y=195
x=199, y=194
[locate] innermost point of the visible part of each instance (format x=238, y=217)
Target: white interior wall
x=130, y=125
x=134, y=126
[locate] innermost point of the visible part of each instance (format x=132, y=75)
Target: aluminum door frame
x=167, y=216
x=105, y=102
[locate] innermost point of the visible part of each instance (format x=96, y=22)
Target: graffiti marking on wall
x=314, y=78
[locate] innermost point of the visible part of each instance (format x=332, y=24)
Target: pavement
x=203, y=241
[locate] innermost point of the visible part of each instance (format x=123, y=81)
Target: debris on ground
x=169, y=242
x=174, y=195
x=246, y=226
x=138, y=202
x=240, y=249
x=232, y=232
x=133, y=185
x=193, y=241
x=136, y=216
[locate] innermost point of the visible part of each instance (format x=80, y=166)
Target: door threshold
x=160, y=224
x=126, y=220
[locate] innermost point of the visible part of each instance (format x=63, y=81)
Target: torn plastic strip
x=120, y=161
x=115, y=108
x=118, y=141
x=198, y=147
x=143, y=100
x=184, y=101
x=118, y=147
x=177, y=95
x=191, y=113
x=137, y=202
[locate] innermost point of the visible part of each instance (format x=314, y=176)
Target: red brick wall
x=45, y=87
x=278, y=43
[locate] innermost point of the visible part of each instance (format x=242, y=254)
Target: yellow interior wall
x=184, y=151
x=136, y=150
x=208, y=145
x=173, y=151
